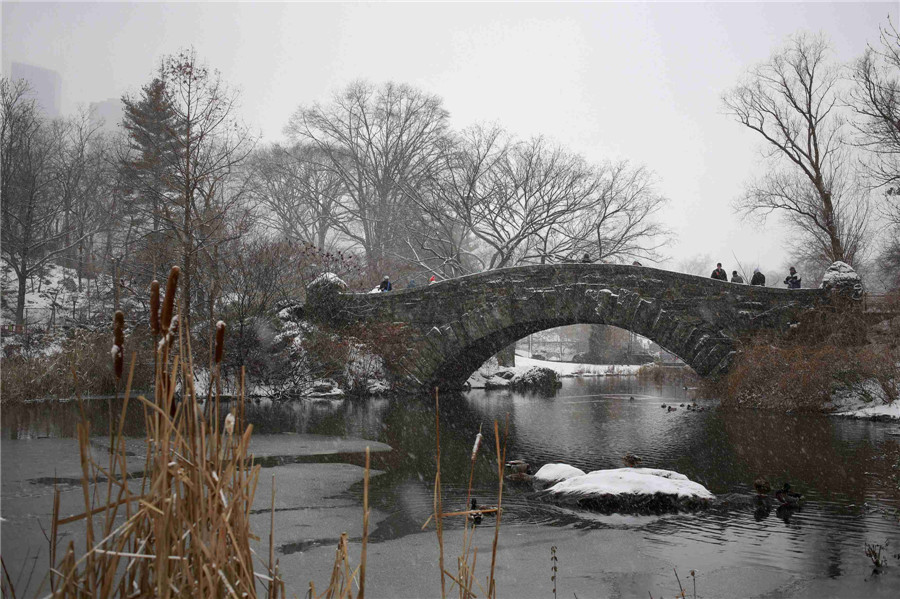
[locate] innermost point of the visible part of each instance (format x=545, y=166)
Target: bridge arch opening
x=458, y=366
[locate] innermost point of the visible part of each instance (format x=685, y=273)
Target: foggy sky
x=610, y=81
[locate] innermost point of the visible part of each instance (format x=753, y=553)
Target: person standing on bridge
x=385, y=285
x=736, y=278
x=719, y=273
x=758, y=278
x=792, y=280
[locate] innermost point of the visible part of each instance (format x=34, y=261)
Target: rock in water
x=550, y=474
x=640, y=490
x=840, y=278
x=536, y=378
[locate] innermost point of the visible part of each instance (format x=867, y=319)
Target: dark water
x=847, y=469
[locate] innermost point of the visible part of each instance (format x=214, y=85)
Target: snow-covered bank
x=867, y=400
x=493, y=376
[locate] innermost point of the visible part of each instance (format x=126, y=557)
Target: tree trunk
x=20, y=296
x=507, y=356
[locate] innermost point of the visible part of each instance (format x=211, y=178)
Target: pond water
x=846, y=469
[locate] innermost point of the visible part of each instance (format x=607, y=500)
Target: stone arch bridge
x=456, y=325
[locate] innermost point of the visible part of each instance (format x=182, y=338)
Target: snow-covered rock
x=537, y=377
x=841, y=278
x=550, y=474
x=631, y=489
x=324, y=388
x=328, y=278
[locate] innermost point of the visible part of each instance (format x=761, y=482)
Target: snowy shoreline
x=490, y=375
x=866, y=400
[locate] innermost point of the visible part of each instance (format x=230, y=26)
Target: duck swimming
x=786, y=497
x=475, y=518
x=517, y=466
x=762, y=486
x=631, y=460
x=520, y=471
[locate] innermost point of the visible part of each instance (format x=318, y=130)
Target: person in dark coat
x=792, y=280
x=758, y=278
x=586, y=259
x=736, y=278
x=719, y=273
x=385, y=285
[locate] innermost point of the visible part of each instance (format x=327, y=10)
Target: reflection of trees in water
x=60, y=419
x=813, y=452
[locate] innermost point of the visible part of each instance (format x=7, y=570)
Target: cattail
x=118, y=343
x=154, y=307
x=220, y=341
x=169, y=303
x=476, y=446
x=229, y=423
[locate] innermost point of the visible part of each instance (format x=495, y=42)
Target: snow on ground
x=630, y=481
x=54, y=290
x=574, y=369
x=492, y=375
x=865, y=400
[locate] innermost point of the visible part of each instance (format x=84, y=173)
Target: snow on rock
x=328, y=278
x=536, y=377
x=324, y=389
x=554, y=473
x=631, y=489
x=840, y=276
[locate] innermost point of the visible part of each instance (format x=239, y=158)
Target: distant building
x=108, y=113
x=46, y=86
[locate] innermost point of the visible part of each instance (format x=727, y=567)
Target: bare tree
x=791, y=101
x=386, y=144
x=302, y=198
x=875, y=98
x=36, y=220
x=506, y=203
x=615, y=221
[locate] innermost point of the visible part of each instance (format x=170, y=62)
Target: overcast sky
x=636, y=81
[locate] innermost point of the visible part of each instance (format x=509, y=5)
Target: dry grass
x=36, y=375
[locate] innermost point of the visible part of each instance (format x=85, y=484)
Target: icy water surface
x=845, y=468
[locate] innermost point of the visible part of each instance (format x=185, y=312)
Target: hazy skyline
x=610, y=81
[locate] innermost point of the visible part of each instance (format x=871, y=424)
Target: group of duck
x=690, y=407
x=784, y=495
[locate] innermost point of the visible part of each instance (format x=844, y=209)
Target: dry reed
x=184, y=529
x=464, y=578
